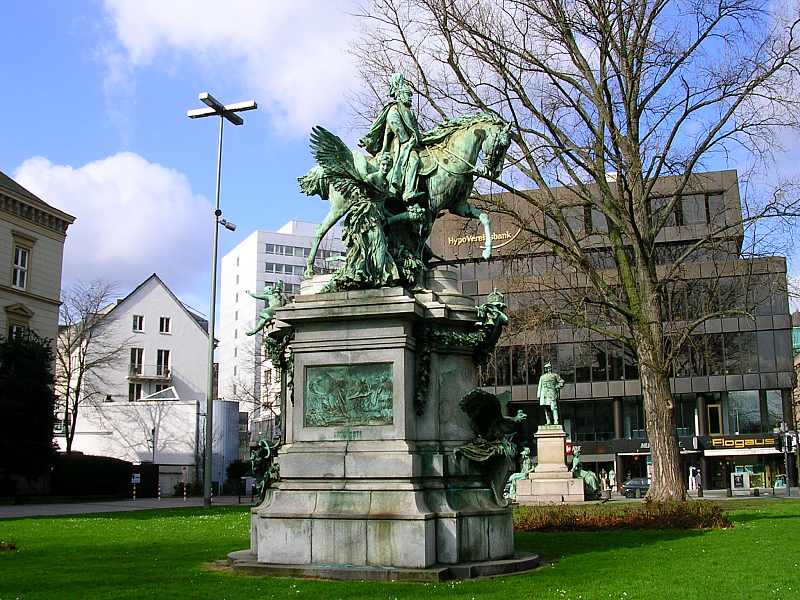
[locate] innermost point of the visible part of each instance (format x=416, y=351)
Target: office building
x=261, y=259
x=732, y=384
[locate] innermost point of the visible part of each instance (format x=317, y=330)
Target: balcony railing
x=141, y=371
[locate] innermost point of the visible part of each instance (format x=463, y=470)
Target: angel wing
x=336, y=160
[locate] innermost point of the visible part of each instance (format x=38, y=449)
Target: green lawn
x=160, y=554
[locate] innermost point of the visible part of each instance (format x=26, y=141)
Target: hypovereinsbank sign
x=499, y=236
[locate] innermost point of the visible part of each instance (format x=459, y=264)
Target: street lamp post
x=228, y=111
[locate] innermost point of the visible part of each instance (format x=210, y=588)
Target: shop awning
x=741, y=451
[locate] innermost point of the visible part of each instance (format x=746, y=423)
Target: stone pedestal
x=368, y=475
x=551, y=481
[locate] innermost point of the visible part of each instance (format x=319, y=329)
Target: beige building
x=31, y=248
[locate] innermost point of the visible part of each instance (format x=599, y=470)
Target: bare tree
x=606, y=99
x=84, y=348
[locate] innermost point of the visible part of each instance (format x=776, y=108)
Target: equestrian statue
x=390, y=197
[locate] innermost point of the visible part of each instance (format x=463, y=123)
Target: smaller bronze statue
x=275, y=298
x=263, y=465
x=591, y=484
x=549, y=392
x=526, y=467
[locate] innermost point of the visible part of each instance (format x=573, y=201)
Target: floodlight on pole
x=225, y=112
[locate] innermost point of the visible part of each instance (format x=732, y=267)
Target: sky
x=95, y=95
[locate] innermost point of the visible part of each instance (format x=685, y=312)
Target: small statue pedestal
x=370, y=486
x=551, y=481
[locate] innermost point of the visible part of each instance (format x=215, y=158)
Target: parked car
x=636, y=487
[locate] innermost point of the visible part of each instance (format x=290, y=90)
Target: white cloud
x=292, y=54
x=133, y=218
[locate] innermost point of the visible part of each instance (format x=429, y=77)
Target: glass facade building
x=732, y=380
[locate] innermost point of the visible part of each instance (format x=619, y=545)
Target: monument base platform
x=548, y=490
x=247, y=562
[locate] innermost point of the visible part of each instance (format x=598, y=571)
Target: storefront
x=756, y=455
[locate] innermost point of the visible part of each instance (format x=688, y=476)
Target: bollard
x=756, y=492
x=134, y=492
x=184, y=491
x=159, y=491
x=700, y=491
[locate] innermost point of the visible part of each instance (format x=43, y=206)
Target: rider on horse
x=396, y=132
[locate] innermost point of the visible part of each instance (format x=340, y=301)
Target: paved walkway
x=79, y=508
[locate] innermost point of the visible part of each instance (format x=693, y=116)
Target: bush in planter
x=650, y=515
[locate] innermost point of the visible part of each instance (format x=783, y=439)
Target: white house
x=149, y=405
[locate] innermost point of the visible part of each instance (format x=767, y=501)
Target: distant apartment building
x=32, y=237
x=148, y=405
x=260, y=260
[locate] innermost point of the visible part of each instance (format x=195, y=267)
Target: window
x=16, y=330
x=774, y=410
x=237, y=280
x=269, y=248
x=137, y=354
x=19, y=274
x=236, y=297
x=159, y=387
x=269, y=267
x=164, y=325
x=237, y=261
x=519, y=366
x=138, y=322
x=236, y=315
x=234, y=370
x=134, y=391
x=109, y=398
x=714, y=413
x=694, y=209
x=162, y=363
x=744, y=412
x=268, y=377
x=503, y=366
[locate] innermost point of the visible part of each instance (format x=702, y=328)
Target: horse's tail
x=314, y=183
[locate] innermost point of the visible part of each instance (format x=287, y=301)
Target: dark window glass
x=783, y=349
x=615, y=369
x=583, y=425
x=744, y=412
x=715, y=354
x=694, y=209
x=583, y=362
x=604, y=420
x=633, y=418
x=470, y=288
x=519, y=366
x=486, y=374
x=534, y=364
x=766, y=351
x=740, y=352
x=564, y=362
x=599, y=372
x=658, y=206
x=631, y=365
x=599, y=224
x=716, y=209
x=759, y=294
x=731, y=294
x=714, y=419
x=503, y=366
x=774, y=409
x=467, y=271
x=270, y=248
x=685, y=405
x=574, y=215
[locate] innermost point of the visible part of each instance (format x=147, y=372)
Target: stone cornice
x=54, y=220
x=31, y=295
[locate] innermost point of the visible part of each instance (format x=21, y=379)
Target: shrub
x=85, y=475
x=650, y=515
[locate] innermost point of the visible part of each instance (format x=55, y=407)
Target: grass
x=161, y=554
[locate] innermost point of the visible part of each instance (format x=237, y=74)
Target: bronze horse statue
x=448, y=169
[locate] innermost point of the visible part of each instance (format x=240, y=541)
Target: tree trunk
x=667, y=483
